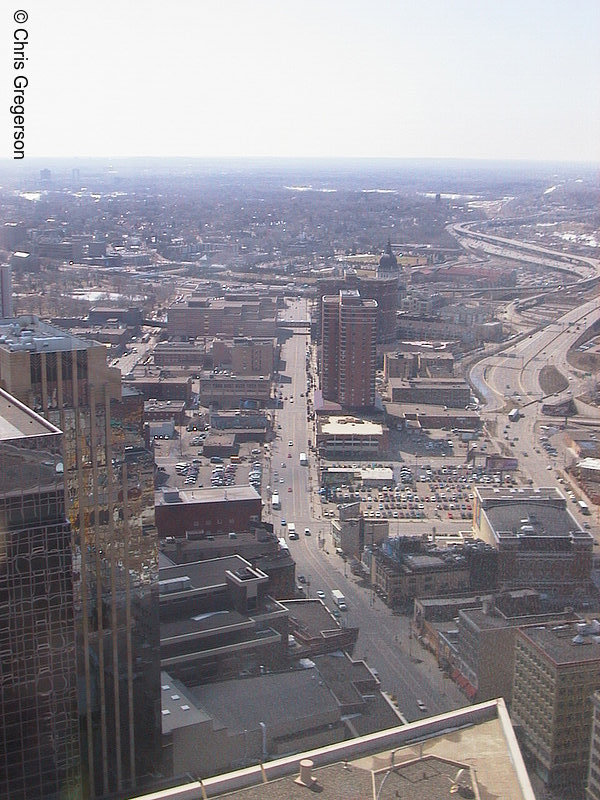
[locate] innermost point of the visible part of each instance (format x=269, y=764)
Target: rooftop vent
x=527, y=529
x=171, y=585
x=306, y=777
x=579, y=639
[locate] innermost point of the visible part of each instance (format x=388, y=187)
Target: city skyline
x=317, y=80
x=318, y=439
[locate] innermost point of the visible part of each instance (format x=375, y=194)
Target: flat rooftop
x=354, y=685
x=17, y=421
x=565, y=644
x=195, y=626
x=31, y=334
x=418, y=562
x=420, y=761
x=204, y=574
x=490, y=493
x=221, y=376
x=221, y=542
x=184, y=346
x=590, y=464
x=349, y=426
x=243, y=704
x=164, y=405
x=435, y=381
x=529, y=514
x=311, y=616
x=217, y=494
x=178, y=706
x=152, y=380
x=377, y=473
x=492, y=621
x=416, y=410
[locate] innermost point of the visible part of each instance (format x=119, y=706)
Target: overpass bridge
x=301, y=325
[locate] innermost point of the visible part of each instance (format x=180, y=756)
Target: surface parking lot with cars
x=429, y=481
x=194, y=470
x=419, y=493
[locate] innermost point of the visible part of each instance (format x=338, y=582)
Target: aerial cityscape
x=300, y=402
x=328, y=448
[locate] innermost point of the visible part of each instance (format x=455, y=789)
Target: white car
x=321, y=595
x=421, y=705
x=290, y=443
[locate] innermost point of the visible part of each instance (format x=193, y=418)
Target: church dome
x=388, y=260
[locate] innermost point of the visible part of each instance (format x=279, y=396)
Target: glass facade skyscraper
x=110, y=493
x=39, y=732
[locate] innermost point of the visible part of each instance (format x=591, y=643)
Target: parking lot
x=432, y=478
x=185, y=466
x=426, y=492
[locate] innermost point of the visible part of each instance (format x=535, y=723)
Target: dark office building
x=39, y=732
x=110, y=503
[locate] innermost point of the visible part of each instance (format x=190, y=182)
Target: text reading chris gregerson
x=20, y=82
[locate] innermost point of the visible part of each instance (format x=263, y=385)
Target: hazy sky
x=399, y=78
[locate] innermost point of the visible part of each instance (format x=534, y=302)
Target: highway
x=517, y=368
x=578, y=266
x=514, y=374
x=404, y=669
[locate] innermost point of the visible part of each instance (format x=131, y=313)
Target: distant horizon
x=312, y=158
x=339, y=163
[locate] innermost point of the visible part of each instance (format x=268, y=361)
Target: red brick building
x=349, y=326
x=206, y=512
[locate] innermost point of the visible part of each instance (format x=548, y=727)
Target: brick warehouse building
x=206, y=511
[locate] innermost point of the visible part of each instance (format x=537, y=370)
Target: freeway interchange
x=514, y=373
x=405, y=669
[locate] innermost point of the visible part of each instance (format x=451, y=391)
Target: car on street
x=307, y=531
x=301, y=579
x=421, y=705
x=290, y=443
x=321, y=594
